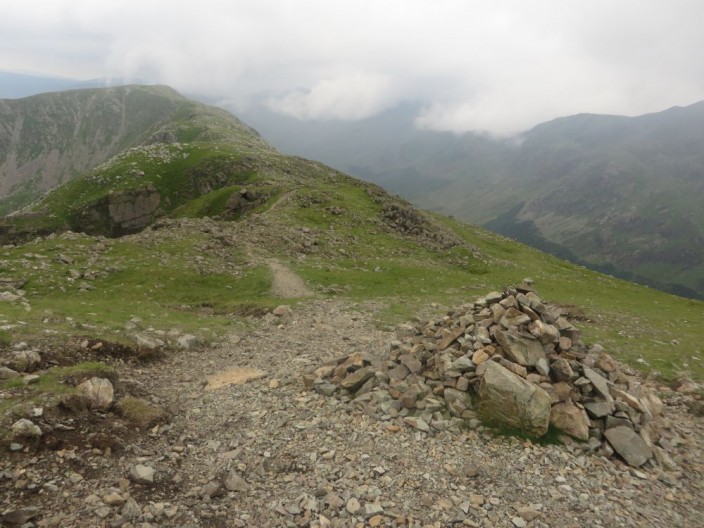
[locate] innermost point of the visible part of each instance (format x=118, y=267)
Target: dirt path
x=286, y=283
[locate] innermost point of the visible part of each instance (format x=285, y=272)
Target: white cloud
x=347, y=96
x=500, y=65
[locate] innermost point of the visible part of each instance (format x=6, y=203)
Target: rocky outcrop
x=119, y=213
x=132, y=211
x=508, y=359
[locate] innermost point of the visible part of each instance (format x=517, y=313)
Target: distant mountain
x=619, y=194
x=15, y=85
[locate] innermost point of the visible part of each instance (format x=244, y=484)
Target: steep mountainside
x=615, y=193
x=50, y=138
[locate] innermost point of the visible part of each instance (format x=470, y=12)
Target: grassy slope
x=183, y=276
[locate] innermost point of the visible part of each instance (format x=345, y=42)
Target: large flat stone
x=525, y=351
x=629, y=445
x=601, y=384
x=508, y=399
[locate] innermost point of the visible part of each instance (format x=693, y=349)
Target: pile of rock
x=20, y=361
x=507, y=359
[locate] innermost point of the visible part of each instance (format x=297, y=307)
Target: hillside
x=51, y=138
x=615, y=193
x=203, y=275
x=332, y=228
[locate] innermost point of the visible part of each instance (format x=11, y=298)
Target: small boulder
x=561, y=370
x=141, y=474
x=8, y=373
x=24, y=360
x=356, y=379
x=234, y=482
x=26, y=428
x=18, y=517
x=187, y=342
x=98, y=392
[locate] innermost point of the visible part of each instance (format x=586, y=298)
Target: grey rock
x=131, y=210
x=212, y=489
x=8, y=373
x=114, y=499
x=26, y=428
x=24, y=360
x=326, y=389
x=99, y=393
x=149, y=342
x=417, y=423
x=615, y=421
x=561, y=370
x=600, y=383
x=187, y=342
x=542, y=367
x=371, y=509
x=234, y=482
x=599, y=409
x=412, y=363
x=493, y=297
x=20, y=516
x=507, y=399
x=522, y=350
x=457, y=401
x=571, y=420
x=356, y=379
x=131, y=509
x=629, y=445
x=30, y=379
x=142, y=474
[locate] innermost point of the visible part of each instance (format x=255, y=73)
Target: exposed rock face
x=520, y=358
x=510, y=400
x=119, y=213
x=132, y=211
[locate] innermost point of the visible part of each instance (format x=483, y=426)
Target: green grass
x=167, y=282
x=48, y=390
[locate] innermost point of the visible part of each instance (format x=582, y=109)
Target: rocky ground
x=263, y=451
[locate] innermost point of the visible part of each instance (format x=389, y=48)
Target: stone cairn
x=508, y=360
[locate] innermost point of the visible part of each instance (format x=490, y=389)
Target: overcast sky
x=494, y=65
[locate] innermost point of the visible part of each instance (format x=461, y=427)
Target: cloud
x=499, y=66
x=352, y=96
